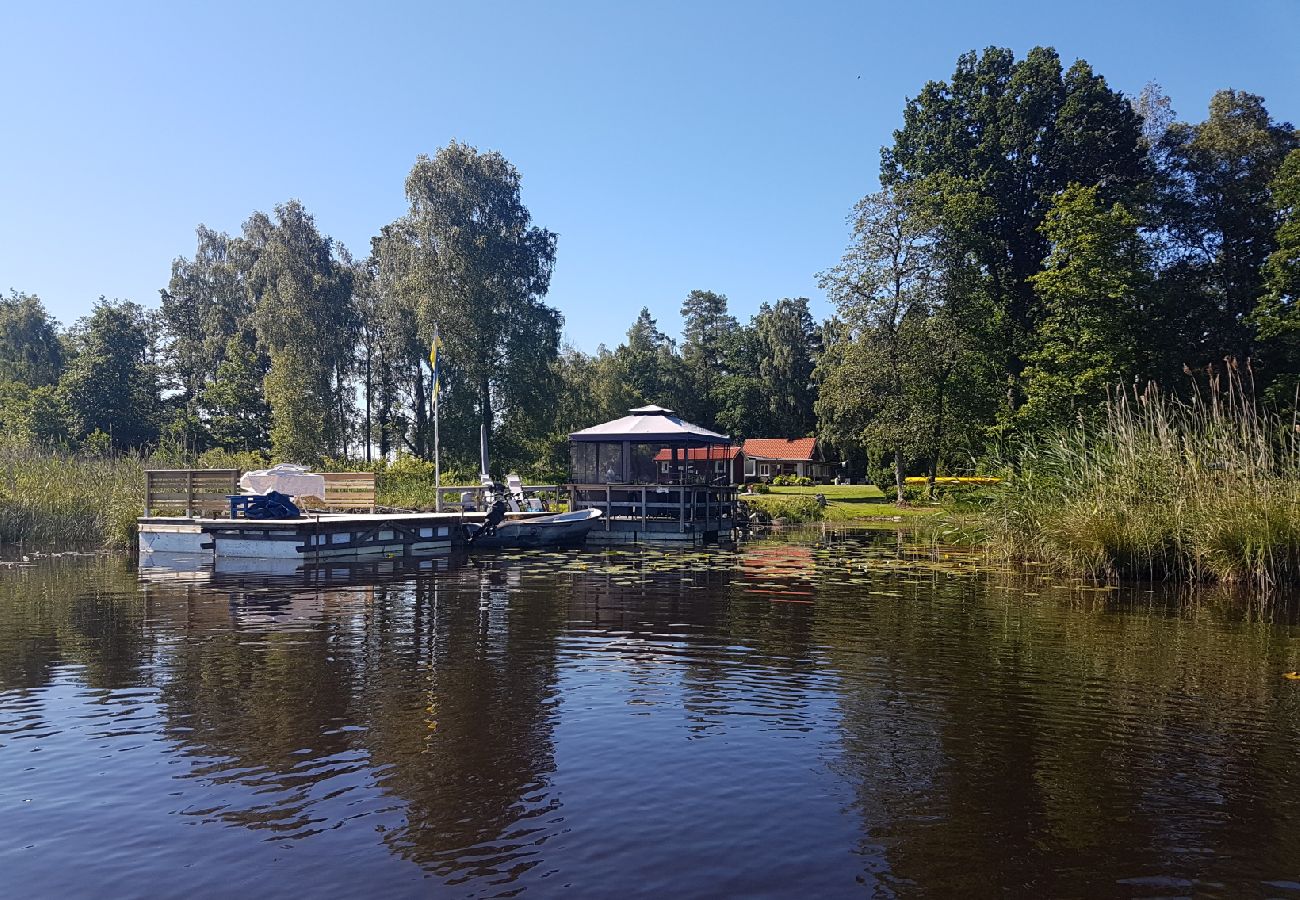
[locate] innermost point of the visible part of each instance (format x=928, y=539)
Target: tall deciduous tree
x=1278, y=314
x=235, y=402
x=1217, y=214
x=992, y=147
x=305, y=321
x=1092, y=286
x=30, y=351
x=885, y=289
x=112, y=385
x=468, y=257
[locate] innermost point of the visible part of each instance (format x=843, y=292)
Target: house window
x=663, y=467
x=749, y=467
x=720, y=467
x=764, y=469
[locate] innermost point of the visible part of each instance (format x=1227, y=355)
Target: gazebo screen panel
x=596, y=462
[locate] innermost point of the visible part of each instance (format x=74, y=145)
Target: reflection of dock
x=242, y=572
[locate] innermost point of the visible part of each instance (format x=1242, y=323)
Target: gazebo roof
x=649, y=423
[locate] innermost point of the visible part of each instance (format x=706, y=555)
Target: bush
x=760, y=487
x=791, y=510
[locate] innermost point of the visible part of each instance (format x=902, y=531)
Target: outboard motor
x=496, y=515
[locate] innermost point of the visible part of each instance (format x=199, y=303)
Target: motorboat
x=568, y=529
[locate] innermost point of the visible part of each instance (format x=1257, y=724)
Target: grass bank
x=844, y=503
x=65, y=499
x=1199, y=490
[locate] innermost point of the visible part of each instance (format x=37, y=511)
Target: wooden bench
x=349, y=490
x=190, y=492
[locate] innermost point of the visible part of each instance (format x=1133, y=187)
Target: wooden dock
x=691, y=514
x=312, y=538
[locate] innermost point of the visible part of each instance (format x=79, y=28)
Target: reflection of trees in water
x=438, y=690
x=458, y=686
x=1003, y=740
x=263, y=708
x=75, y=612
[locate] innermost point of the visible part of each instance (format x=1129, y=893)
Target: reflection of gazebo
x=613, y=468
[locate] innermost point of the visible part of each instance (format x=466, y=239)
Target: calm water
x=820, y=716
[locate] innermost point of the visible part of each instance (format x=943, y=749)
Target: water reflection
x=815, y=715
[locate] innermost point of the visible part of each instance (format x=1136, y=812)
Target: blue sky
x=672, y=146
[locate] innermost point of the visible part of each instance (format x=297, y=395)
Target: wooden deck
x=658, y=513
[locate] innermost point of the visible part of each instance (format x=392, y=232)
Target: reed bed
x=1198, y=489
x=52, y=498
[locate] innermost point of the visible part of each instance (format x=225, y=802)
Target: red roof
x=726, y=451
x=781, y=448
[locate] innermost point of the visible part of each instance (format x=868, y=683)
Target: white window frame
x=764, y=469
x=750, y=467
x=664, y=467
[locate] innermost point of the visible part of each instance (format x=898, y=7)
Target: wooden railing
x=451, y=495
x=349, y=490
x=687, y=504
x=189, y=491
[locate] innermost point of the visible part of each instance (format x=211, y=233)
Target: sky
x=671, y=146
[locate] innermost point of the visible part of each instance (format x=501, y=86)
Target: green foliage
x=30, y=351
x=1278, y=315
x=238, y=414
x=298, y=412
x=33, y=416
x=1203, y=489
x=1215, y=207
x=788, y=344
x=787, y=510
x=1091, y=286
x=111, y=384
x=51, y=498
x=467, y=259
x=792, y=481
x=988, y=151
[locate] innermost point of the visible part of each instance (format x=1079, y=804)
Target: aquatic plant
x=49, y=497
x=1203, y=488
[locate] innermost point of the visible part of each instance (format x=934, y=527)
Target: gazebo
x=634, y=469
x=623, y=451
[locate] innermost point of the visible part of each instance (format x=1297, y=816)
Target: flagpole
x=437, y=463
x=435, y=361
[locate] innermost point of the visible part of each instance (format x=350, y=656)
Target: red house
x=766, y=458
x=718, y=464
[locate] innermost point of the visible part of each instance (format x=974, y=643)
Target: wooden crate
x=349, y=490
x=189, y=492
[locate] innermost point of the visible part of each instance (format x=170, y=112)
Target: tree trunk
x=898, y=473
x=421, y=415
x=369, y=389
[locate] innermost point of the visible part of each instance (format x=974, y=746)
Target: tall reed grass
x=1206, y=488
x=52, y=498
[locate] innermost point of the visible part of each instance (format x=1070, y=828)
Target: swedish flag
x=435, y=360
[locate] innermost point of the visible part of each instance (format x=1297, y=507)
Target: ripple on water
x=815, y=716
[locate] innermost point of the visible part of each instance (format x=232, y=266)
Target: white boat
x=568, y=529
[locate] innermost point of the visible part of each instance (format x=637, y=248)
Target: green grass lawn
x=846, y=502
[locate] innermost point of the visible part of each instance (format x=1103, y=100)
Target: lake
x=830, y=713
